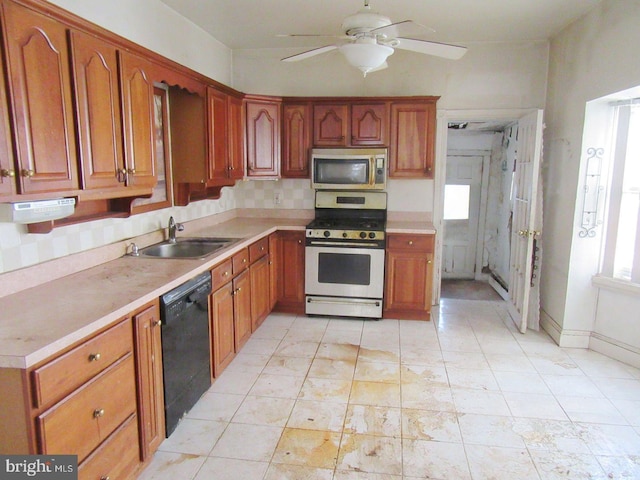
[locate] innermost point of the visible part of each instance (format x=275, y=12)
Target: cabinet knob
x=7, y=173
x=94, y=357
x=98, y=412
x=429, y=262
x=300, y=242
x=105, y=477
x=27, y=172
x=410, y=242
x=244, y=260
x=226, y=274
x=131, y=171
x=157, y=323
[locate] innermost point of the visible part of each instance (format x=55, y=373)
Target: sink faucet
x=173, y=226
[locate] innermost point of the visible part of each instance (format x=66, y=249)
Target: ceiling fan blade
x=309, y=53
x=444, y=50
x=405, y=28
x=286, y=35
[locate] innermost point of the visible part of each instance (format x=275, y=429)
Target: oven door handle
x=375, y=303
x=313, y=243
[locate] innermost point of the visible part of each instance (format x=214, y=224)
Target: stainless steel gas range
x=345, y=254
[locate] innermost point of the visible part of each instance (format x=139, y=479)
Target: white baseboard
x=591, y=340
x=615, y=349
x=564, y=337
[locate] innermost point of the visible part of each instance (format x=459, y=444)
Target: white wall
x=593, y=57
x=154, y=25
x=491, y=76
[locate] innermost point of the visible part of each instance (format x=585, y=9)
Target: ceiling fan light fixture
x=366, y=56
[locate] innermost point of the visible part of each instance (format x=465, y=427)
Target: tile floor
x=462, y=397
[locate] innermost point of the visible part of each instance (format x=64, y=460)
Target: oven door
x=344, y=271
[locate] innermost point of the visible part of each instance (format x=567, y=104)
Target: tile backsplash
x=19, y=249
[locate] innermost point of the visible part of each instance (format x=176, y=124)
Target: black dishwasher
x=185, y=347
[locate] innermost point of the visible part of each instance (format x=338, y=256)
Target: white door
x=526, y=225
x=461, y=213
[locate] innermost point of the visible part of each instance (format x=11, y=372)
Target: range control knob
x=363, y=234
x=372, y=234
x=327, y=233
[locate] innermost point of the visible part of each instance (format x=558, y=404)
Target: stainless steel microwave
x=349, y=168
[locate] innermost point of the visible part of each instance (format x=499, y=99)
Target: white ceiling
x=248, y=24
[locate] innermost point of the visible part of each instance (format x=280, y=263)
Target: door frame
x=444, y=117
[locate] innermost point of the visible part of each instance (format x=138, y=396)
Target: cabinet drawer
x=221, y=274
x=81, y=421
x=415, y=242
x=117, y=457
x=66, y=373
x=240, y=261
x=258, y=249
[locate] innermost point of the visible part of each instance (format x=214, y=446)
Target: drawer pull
x=98, y=412
x=94, y=357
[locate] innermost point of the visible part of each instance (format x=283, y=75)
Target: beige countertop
x=40, y=321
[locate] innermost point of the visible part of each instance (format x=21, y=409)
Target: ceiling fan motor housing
x=363, y=22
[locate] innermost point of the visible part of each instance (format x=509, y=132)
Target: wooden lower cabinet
x=260, y=291
x=80, y=422
x=115, y=458
x=221, y=327
x=242, y=309
x=148, y=343
x=273, y=270
x=290, y=267
x=102, y=400
x=409, y=276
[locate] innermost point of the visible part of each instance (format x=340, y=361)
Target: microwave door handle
x=372, y=171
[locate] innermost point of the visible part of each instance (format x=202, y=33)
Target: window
x=621, y=258
x=456, y=202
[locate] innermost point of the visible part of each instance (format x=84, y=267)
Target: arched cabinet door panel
x=40, y=91
x=137, y=113
x=263, y=138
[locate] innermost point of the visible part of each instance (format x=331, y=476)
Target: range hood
x=37, y=211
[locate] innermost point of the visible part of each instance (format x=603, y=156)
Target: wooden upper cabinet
x=95, y=74
x=369, y=124
x=226, y=152
x=263, y=138
x=40, y=92
x=218, y=126
x=136, y=86
x=7, y=167
x=411, y=151
x=296, y=140
x=330, y=125
x=235, y=137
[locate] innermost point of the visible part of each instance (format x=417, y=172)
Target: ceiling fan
x=369, y=38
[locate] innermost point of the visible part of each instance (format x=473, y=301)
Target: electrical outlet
x=277, y=198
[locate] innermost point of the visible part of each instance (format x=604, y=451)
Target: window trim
x=622, y=115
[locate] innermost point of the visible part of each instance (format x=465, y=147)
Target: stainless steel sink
x=186, y=248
